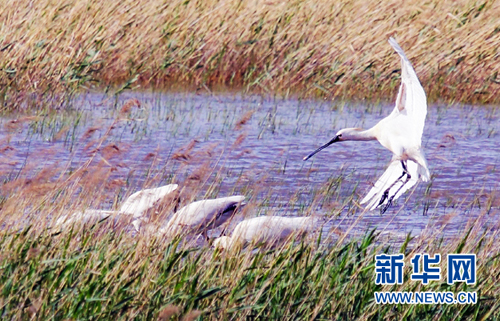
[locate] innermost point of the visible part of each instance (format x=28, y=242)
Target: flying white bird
x=268, y=230
x=401, y=133
x=201, y=216
x=135, y=205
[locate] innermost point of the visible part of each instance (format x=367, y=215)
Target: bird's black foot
x=382, y=200
x=386, y=206
x=386, y=192
x=389, y=202
x=384, y=196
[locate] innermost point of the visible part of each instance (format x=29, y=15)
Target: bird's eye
x=339, y=135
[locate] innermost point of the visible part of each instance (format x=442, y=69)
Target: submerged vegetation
x=310, y=48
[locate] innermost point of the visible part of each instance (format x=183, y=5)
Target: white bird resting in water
x=89, y=216
x=201, y=216
x=267, y=230
x=139, y=202
x=401, y=133
x=135, y=205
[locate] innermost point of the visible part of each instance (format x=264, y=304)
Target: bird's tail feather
x=424, y=173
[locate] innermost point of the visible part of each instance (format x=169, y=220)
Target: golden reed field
x=334, y=49
x=87, y=161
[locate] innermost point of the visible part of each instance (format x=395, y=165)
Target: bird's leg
x=408, y=177
x=405, y=170
x=386, y=192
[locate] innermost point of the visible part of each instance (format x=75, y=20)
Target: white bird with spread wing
x=401, y=133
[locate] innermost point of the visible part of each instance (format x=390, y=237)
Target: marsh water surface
x=255, y=146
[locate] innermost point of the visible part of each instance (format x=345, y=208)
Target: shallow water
x=262, y=157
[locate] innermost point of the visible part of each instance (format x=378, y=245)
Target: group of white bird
x=400, y=132
x=198, y=218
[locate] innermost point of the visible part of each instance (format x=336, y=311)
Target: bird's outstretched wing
x=411, y=98
x=140, y=201
x=390, y=176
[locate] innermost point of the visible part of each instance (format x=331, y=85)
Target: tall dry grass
x=310, y=48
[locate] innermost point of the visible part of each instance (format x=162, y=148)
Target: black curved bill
x=334, y=140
